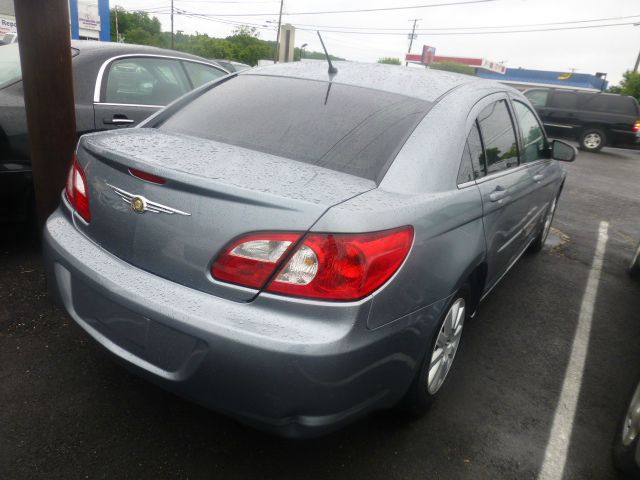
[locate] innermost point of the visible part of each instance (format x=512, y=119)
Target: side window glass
x=534, y=142
x=201, y=74
x=500, y=146
x=465, y=174
x=565, y=100
x=472, y=164
x=145, y=81
x=538, y=98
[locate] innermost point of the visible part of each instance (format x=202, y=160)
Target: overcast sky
x=607, y=49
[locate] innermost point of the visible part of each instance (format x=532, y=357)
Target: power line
x=478, y=33
x=205, y=17
x=430, y=29
x=381, y=9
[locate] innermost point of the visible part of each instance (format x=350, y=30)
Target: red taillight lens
x=147, y=177
x=323, y=266
x=343, y=266
x=636, y=126
x=251, y=260
x=76, y=190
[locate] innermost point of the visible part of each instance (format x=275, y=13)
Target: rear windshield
x=349, y=129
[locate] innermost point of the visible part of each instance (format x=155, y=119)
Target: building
x=519, y=78
x=90, y=19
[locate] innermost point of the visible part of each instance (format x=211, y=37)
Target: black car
x=116, y=85
x=594, y=119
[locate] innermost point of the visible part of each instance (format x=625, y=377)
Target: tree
x=453, y=67
x=389, y=61
x=243, y=45
x=630, y=85
x=135, y=27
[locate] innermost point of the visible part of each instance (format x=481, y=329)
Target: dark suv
x=595, y=119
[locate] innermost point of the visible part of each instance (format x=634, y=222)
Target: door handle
x=498, y=194
x=538, y=178
x=118, y=119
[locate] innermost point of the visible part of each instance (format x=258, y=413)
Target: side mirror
x=562, y=151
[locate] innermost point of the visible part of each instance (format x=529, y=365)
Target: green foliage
x=243, y=45
x=453, y=67
x=389, y=60
x=630, y=85
x=315, y=55
x=135, y=27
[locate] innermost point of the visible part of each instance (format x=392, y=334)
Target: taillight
x=76, y=190
x=323, y=265
x=251, y=260
x=636, y=126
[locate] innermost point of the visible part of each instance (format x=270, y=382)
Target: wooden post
x=45, y=52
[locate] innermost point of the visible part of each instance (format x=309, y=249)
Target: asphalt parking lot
x=68, y=411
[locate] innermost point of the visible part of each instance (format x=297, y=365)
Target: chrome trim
x=470, y=183
x=149, y=206
x=501, y=173
x=558, y=125
x=103, y=67
x=127, y=105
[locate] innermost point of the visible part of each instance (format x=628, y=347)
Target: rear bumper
x=297, y=368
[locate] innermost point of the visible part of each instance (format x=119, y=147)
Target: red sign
x=428, y=53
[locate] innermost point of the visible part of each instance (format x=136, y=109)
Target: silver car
x=297, y=249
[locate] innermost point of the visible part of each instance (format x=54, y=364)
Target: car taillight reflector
x=325, y=266
x=76, y=190
x=251, y=260
x=343, y=266
x=636, y=126
x=147, y=177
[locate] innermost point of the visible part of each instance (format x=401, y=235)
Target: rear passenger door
x=506, y=188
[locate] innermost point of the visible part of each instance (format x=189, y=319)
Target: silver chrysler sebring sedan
x=296, y=248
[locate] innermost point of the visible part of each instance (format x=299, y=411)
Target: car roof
x=425, y=84
x=93, y=48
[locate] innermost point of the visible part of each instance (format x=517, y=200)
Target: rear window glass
x=349, y=129
x=599, y=102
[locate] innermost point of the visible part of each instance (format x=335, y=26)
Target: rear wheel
x=538, y=243
x=439, y=357
x=625, y=443
x=592, y=139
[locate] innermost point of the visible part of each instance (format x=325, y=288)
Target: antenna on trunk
x=332, y=70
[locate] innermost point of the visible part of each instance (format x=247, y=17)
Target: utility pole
x=172, y=24
x=47, y=80
x=117, y=32
x=635, y=69
x=412, y=35
x=275, y=60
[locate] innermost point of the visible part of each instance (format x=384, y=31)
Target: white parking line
x=555, y=455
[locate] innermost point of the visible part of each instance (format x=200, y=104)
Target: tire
x=625, y=443
x=425, y=387
x=634, y=268
x=538, y=243
x=592, y=139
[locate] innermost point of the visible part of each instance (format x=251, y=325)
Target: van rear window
x=349, y=129
x=602, y=102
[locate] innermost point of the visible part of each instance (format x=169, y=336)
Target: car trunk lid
x=213, y=193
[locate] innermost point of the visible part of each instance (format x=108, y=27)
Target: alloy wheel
x=548, y=220
x=446, y=345
x=592, y=140
x=631, y=425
